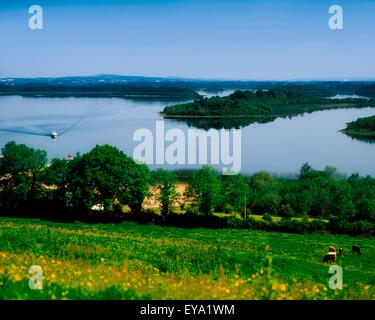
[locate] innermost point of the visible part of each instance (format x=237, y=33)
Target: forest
x=107, y=185
x=280, y=101
x=367, y=91
x=94, y=90
x=362, y=128
x=321, y=88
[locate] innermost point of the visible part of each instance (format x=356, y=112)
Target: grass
x=131, y=261
x=259, y=217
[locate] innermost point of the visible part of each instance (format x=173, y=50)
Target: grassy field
x=131, y=261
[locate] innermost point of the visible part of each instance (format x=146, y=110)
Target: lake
x=280, y=147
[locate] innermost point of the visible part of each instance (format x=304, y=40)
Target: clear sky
x=225, y=39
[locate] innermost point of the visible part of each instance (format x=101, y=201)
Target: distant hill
x=170, y=87
x=100, y=86
x=331, y=87
x=368, y=91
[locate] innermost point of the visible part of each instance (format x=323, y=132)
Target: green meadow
x=133, y=261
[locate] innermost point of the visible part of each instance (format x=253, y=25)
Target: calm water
x=280, y=147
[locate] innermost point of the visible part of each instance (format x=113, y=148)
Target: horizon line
x=342, y=79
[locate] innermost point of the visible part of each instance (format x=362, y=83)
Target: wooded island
x=281, y=101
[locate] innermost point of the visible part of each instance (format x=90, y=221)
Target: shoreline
x=90, y=95
x=359, y=133
x=321, y=108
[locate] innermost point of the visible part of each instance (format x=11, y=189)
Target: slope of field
x=131, y=261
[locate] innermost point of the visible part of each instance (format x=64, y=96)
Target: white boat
x=54, y=135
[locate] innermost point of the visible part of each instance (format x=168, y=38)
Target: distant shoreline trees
x=367, y=91
x=361, y=128
x=95, y=90
x=107, y=179
x=279, y=101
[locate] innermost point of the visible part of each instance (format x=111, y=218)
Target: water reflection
x=278, y=145
x=366, y=139
x=223, y=123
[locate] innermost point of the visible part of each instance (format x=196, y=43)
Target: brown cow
x=331, y=249
x=330, y=257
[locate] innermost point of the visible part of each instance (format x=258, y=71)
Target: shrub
x=287, y=211
x=363, y=227
x=227, y=208
x=236, y=223
x=267, y=217
x=353, y=228
x=317, y=225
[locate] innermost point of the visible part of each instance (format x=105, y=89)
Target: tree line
x=367, y=91
x=361, y=129
x=108, y=180
x=284, y=100
x=367, y=123
x=64, y=89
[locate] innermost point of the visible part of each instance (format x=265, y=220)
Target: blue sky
x=233, y=39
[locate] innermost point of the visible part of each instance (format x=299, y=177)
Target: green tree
x=106, y=175
x=366, y=209
x=315, y=196
x=58, y=175
x=342, y=200
x=20, y=171
x=261, y=178
x=264, y=194
x=165, y=182
x=137, y=187
x=235, y=190
x=204, y=190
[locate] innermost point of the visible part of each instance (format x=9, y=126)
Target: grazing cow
x=341, y=251
x=356, y=249
x=332, y=249
x=330, y=257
